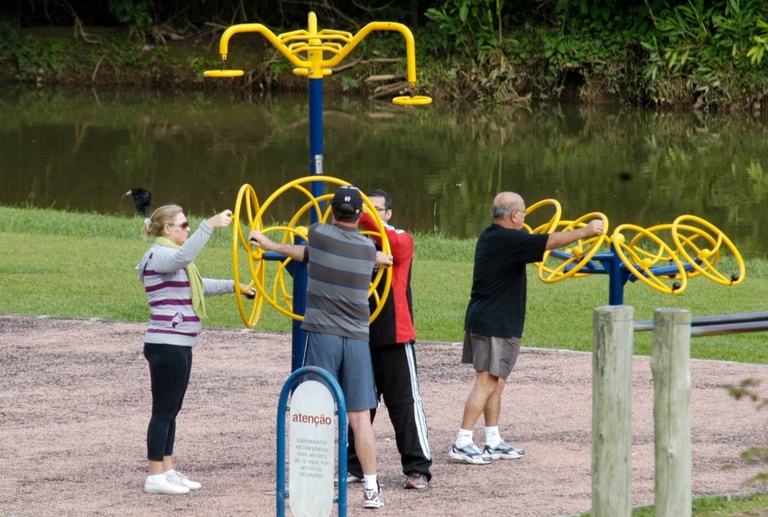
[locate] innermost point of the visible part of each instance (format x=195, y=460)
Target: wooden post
x=672, y=411
x=612, y=411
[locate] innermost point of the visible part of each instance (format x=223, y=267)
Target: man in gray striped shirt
x=340, y=263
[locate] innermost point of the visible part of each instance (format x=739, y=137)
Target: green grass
x=721, y=506
x=741, y=505
x=82, y=265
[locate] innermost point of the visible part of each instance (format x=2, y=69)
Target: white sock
x=463, y=438
x=492, y=437
x=369, y=482
x=156, y=478
x=170, y=472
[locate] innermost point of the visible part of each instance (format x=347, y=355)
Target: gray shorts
x=349, y=361
x=495, y=355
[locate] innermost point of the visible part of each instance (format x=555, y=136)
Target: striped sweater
x=339, y=274
x=172, y=318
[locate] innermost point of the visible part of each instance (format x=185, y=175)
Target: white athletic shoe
x=164, y=486
x=351, y=478
x=469, y=454
x=503, y=451
x=177, y=478
x=372, y=498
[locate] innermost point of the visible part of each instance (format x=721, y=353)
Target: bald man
x=495, y=317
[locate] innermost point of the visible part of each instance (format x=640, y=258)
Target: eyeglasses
x=183, y=225
x=380, y=209
x=521, y=212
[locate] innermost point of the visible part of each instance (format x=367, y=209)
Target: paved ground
x=74, y=405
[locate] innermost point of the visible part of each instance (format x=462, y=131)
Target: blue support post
x=316, y=132
x=315, y=169
x=616, y=279
x=299, y=337
x=611, y=265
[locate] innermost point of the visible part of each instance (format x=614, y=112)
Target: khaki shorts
x=495, y=355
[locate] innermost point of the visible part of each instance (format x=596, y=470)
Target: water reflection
x=83, y=149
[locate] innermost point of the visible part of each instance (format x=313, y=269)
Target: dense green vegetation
x=705, y=55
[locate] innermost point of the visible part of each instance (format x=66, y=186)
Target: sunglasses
x=183, y=225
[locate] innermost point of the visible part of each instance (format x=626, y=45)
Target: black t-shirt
x=497, y=303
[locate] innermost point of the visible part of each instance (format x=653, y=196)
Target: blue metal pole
x=316, y=132
x=315, y=169
x=616, y=279
x=299, y=337
x=316, y=138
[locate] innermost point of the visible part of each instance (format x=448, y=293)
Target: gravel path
x=74, y=405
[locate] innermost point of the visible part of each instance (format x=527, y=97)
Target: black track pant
x=394, y=368
x=169, y=369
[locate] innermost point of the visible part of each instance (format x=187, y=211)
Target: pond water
x=82, y=149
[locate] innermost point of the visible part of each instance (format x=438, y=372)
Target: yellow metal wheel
x=702, y=259
x=278, y=294
x=244, y=220
x=580, y=253
x=646, y=251
x=532, y=213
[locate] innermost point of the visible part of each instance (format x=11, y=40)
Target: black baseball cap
x=347, y=201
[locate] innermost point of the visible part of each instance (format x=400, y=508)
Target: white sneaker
x=351, y=478
x=177, y=478
x=372, y=498
x=469, y=454
x=164, y=486
x=503, y=451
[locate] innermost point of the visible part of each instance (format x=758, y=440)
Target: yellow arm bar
x=290, y=53
x=264, y=31
x=410, y=46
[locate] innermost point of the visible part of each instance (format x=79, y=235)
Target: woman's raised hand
x=221, y=220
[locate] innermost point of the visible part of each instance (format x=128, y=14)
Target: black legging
x=169, y=369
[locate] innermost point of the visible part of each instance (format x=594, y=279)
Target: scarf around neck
x=195, y=279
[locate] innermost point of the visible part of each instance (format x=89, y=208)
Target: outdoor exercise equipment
x=247, y=206
x=718, y=325
x=314, y=54
x=685, y=236
x=567, y=263
x=551, y=224
x=641, y=259
x=314, y=44
x=314, y=208
x=577, y=255
x=663, y=257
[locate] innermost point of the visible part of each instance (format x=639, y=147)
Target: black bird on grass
x=142, y=199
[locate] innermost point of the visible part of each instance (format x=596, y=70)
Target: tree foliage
x=700, y=53
x=709, y=47
x=138, y=13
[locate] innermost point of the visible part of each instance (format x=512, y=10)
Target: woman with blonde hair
x=176, y=293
